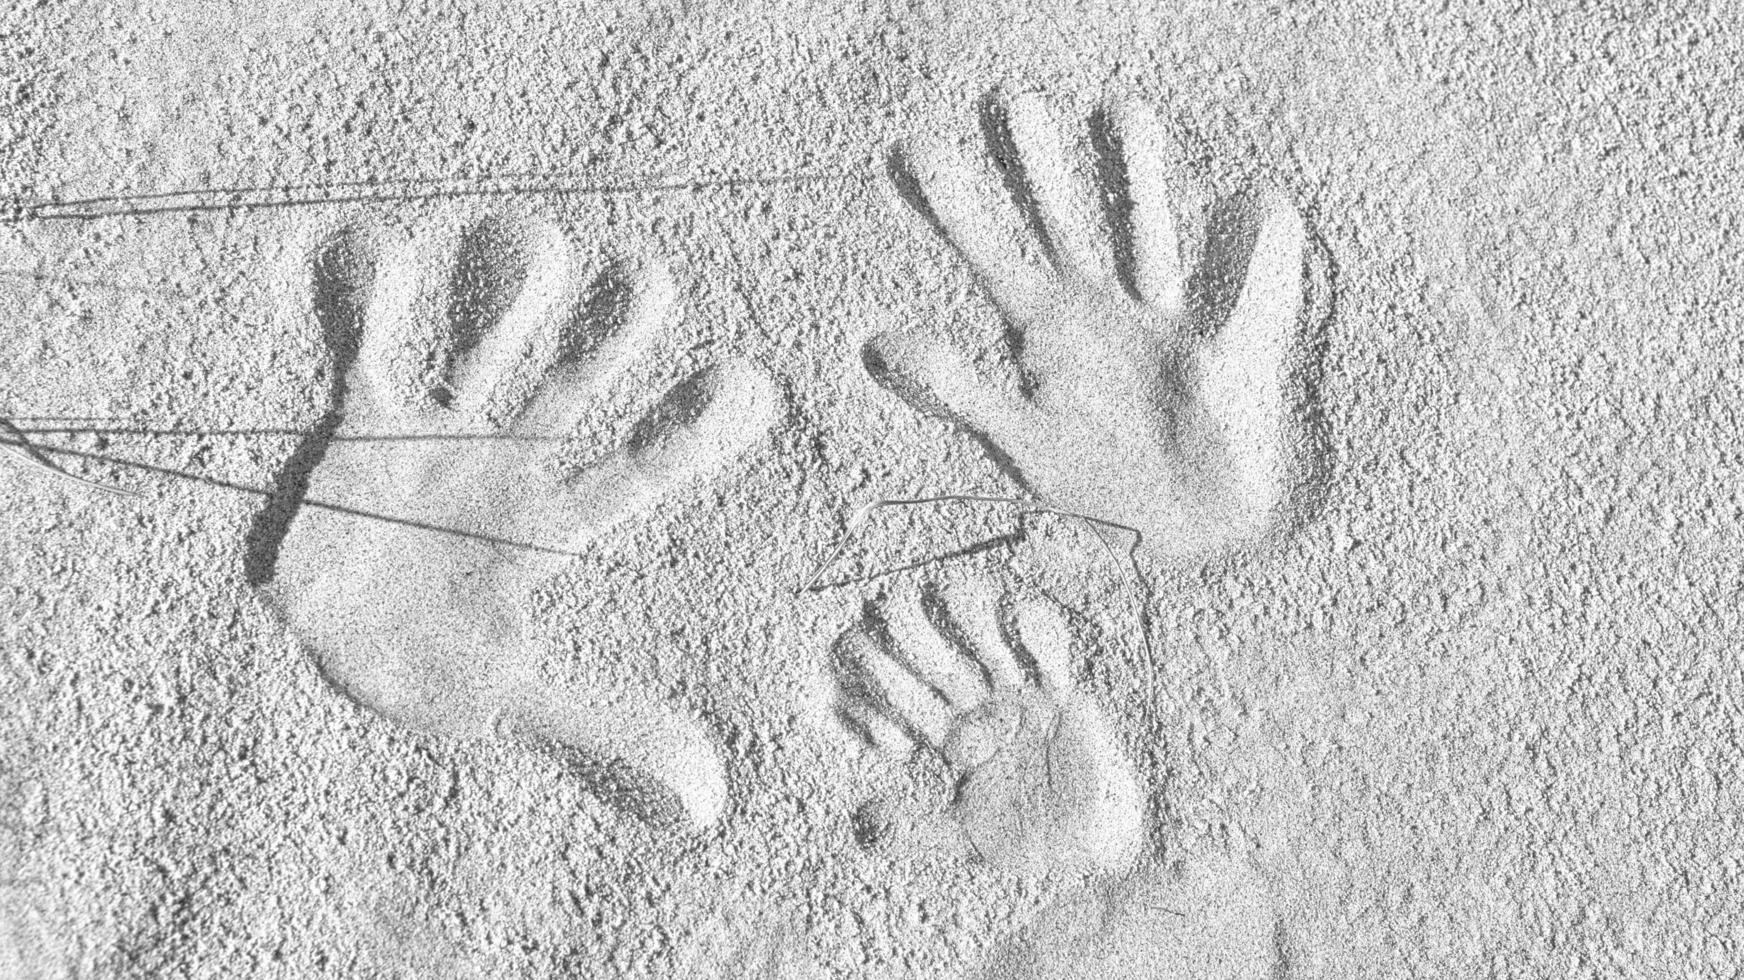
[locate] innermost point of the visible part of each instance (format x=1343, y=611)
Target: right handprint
x=1152, y=326
x=1039, y=782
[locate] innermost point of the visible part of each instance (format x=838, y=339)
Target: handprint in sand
x=1152, y=327
x=1038, y=780
x=412, y=528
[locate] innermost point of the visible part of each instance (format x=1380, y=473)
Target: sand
x=441, y=520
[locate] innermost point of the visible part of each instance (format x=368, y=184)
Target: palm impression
x=1039, y=782
x=434, y=503
x=1152, y=327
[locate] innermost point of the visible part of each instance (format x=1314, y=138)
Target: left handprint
x=430, y=503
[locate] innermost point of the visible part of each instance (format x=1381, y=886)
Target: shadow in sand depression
x=270, y=492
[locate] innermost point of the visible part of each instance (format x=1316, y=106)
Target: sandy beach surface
x=870, y=490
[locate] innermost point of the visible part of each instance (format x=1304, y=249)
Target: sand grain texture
x=485, y=381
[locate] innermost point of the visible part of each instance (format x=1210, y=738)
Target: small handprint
x=1153, y=343
x=432, y=504
x=1040, y=783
